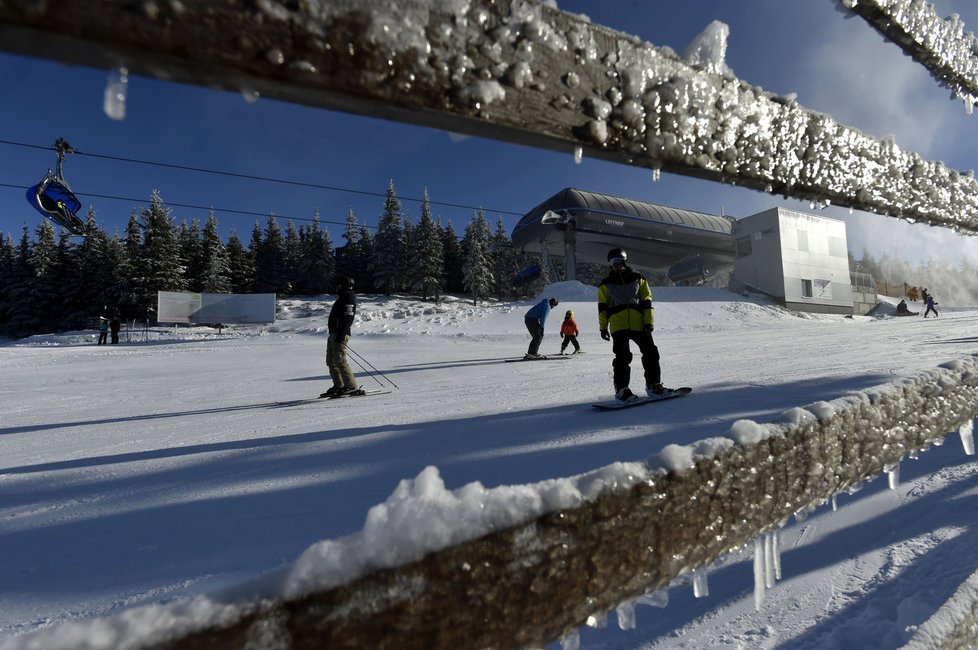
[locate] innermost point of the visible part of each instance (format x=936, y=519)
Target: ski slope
x=164, y=467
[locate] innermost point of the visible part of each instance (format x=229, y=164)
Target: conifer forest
x=53, y=281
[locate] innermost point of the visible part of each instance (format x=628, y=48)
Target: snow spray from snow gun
x=360, y=361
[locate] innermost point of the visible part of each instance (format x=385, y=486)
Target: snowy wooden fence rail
x=939, y=44
x=534, y=582
x=506, y=69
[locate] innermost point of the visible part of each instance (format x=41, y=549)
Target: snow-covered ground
x=162, y=468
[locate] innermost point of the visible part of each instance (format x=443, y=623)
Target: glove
x=561, y=335
x=605, y=335
x=648, y=328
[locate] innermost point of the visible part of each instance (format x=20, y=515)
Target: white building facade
x=797, y=258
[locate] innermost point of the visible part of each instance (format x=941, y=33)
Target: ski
x=541, y=358
x=312, y=400
x=614, y=405
x=376, y=391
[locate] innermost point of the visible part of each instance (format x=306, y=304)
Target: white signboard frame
x=224, y=308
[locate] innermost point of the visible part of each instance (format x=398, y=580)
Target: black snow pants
x=535, y=329
x=623, y=357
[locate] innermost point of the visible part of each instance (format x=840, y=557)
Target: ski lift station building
x=800, y=260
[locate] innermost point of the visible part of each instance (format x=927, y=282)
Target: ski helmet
x=569, y=314
x=617, y=255
x=344, y=282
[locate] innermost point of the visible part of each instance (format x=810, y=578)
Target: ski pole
x=372, y=375
x=357, y=354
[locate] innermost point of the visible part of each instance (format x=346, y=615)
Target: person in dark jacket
x=625, y=315
x=535, y=320
x=341, y=317
x=115, y=325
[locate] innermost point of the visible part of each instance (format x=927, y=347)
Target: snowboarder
x=341, y=317
x=569, y=332
x=625, y=314
x=535, y=319
x=931, y=306
x=903, y=310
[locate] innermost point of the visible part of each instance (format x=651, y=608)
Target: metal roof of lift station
x=583, y=225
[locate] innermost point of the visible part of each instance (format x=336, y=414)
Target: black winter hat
x=617, y=254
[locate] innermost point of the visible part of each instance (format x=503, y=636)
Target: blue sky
x=836, y=65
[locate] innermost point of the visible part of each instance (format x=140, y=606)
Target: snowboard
x=311, y=400
x=555, y=357
x=614, y=404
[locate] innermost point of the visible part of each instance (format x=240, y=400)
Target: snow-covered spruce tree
x=72, y=311
x=241, y=269
x=215, y=266
x=22, y=316
x=477, y=268
x=95, y=270
x=270, y=261
x=291, y=255
x=131, y=278
x=368, y=252
x=191, y=254
x=388, y=261
x=350, y=257
x=46, y=289
x=8, y=258
x=506, y=262
x=160, y=255
x=426, y=271
x=111, y=293
x=453, y=259
x=318, y=261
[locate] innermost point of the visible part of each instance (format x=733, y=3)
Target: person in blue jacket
x=535, y=319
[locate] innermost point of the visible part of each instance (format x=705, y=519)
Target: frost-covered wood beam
x=939, y=44
x=630, y=530
x=506, y=69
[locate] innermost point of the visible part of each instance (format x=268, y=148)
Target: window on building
x=803, y=241
x=743, y=247
x=806, y=289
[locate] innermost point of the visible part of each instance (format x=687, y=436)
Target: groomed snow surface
x=163, y=468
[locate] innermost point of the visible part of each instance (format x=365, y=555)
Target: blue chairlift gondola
x=53, y=198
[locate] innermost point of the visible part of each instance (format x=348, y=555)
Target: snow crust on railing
x=515, y=70
x=939, y=44
x=514, y=566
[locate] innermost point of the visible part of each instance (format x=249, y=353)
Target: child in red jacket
x=569, y=332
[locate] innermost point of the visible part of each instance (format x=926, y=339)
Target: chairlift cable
x=196, y=207
x=262, y=178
